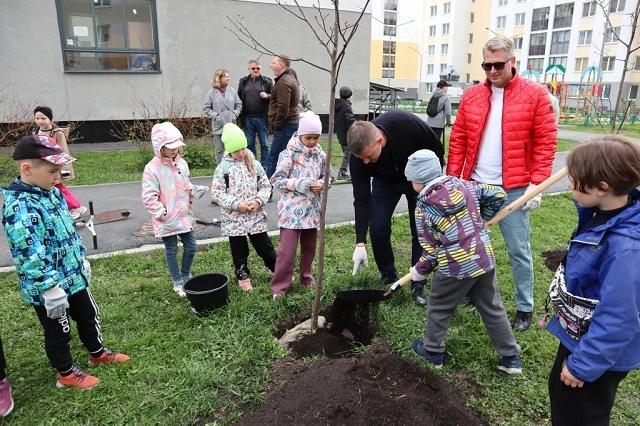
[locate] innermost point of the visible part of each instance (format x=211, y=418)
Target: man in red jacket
x=505, y=134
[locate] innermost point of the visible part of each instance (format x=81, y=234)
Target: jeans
x=280, y=139
x=384, y=199
x=254, y=124
x=515, y=231
x=180, y=275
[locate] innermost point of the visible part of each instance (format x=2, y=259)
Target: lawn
x=184, y=367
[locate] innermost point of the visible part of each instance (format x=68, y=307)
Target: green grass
x=565, y=145
x=629, y=130
x=184, y=368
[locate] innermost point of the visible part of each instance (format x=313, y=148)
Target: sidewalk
x=118, y=237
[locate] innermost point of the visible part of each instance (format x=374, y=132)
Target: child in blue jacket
x=596, y=290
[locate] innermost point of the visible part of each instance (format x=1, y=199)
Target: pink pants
x=286, y=259
x=72, y=202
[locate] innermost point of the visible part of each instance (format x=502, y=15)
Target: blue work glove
x=359, y=258
x=55, y=301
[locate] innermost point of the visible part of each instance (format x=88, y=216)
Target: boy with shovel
x=450, y=215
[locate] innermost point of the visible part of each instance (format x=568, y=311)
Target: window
x=431, y=50
x=468, y=78
x=468, y=58
x=446, y=8
x=581, y=63
x=560, y=42
x=611, y=35
x=537, y=44
x=589, y=9
x=606, y=91
x=472, y=17
x=637, y=65
x=389, y=30
x=633, y=92
x=470, y=38
x=518, y=63
x=444, y=49
x=501, y=22
x=558, y=60
x=104, y=35
x=432, y=30
x=390, y=17
x=385, y=47
x=442, y=67
x=387, y=73
x=445, y=28
x=616, y=6
x=584, y=37
x=608, y=63
x=429, y=87
x=388, y=61
x=430, y=69
x=391, y=5
x=520, y=18
x=536, y=64
x=434, y=10
x=502, y=2
x=540, y=20
x=563, y=15
x=517, y=43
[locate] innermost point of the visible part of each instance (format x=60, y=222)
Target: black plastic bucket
x=207, y=292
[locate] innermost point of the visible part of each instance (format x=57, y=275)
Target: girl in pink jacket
x=167, y=193
x=299, y=179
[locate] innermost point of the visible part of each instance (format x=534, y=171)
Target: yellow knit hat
x=233, y=138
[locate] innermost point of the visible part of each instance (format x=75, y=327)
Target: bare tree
x=630, y=47
x=334, y=36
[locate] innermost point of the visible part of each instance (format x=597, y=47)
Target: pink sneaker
x=6, y=402
x=245, y=284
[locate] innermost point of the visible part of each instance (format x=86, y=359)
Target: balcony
x=559, y=48
x=540, y=25
x=536, y=50
x=562, y=21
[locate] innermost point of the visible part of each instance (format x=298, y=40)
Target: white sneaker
x=76, y=213
x=179, y=290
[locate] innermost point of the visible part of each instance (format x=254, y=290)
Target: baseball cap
x=43, y=147
x=443, y=83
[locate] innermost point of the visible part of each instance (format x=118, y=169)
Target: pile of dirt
x=553, y=258
x=374, y=388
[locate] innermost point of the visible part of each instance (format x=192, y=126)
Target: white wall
x=194, y=38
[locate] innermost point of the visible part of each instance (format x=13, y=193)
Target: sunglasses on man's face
x=499, y=66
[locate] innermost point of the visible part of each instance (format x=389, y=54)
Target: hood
x=163, y=134
x=19, y=186
x=296, y=145
x=438, y=93
x=627, y=223
x=443, y=197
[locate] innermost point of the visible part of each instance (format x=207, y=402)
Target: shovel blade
x=361, y=296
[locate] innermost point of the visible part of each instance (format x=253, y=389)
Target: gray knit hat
x=423, y=167
x=345, y=92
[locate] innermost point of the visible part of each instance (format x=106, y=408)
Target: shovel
x=366, y=296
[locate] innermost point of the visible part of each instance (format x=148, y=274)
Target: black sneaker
x=522, y=322
x=434, y=358
x=343, y=176
x=417, y=290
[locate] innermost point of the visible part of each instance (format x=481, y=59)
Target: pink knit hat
x=309, y=124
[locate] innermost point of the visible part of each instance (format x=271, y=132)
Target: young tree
x=334, y=35
x=631, y=45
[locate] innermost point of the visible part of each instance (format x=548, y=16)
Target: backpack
x=432, y=107
x=225, y=171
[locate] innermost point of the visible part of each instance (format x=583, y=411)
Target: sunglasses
x=255, y=69
x=499, y=66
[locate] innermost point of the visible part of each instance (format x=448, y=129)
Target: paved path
x=119, y=236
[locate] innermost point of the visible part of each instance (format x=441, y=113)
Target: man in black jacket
x=343, y=119
x=254, y=91
x=381, y=149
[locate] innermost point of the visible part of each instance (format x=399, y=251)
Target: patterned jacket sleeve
x=491, y=199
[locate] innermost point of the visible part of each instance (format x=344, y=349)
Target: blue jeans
x=254, y=124
x=384, y=199
x=280, y=139
x=180, y=275
x=515, y=231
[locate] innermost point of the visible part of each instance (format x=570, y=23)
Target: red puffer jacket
x=528, y=132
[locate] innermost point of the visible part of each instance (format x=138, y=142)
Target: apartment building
x=573, y=36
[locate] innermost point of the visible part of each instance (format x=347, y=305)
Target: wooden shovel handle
x=402, y=281
x=526, y=197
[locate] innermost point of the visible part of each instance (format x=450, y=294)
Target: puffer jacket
x=45, y=246
x=243, y=187
x=167, y=193
x=449, y=219
x=298, y=210
x=222, y=109
x=602, y=264
x=283, y=105
x=528, y=132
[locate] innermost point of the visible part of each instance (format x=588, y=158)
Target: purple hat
x=43, y=147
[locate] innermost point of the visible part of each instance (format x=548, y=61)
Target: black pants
x=57, y=332
x=589, y=405
x=3, y=363
x=240, y=253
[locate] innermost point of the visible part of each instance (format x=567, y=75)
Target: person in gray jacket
x=443, y=118
x=223, y=105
